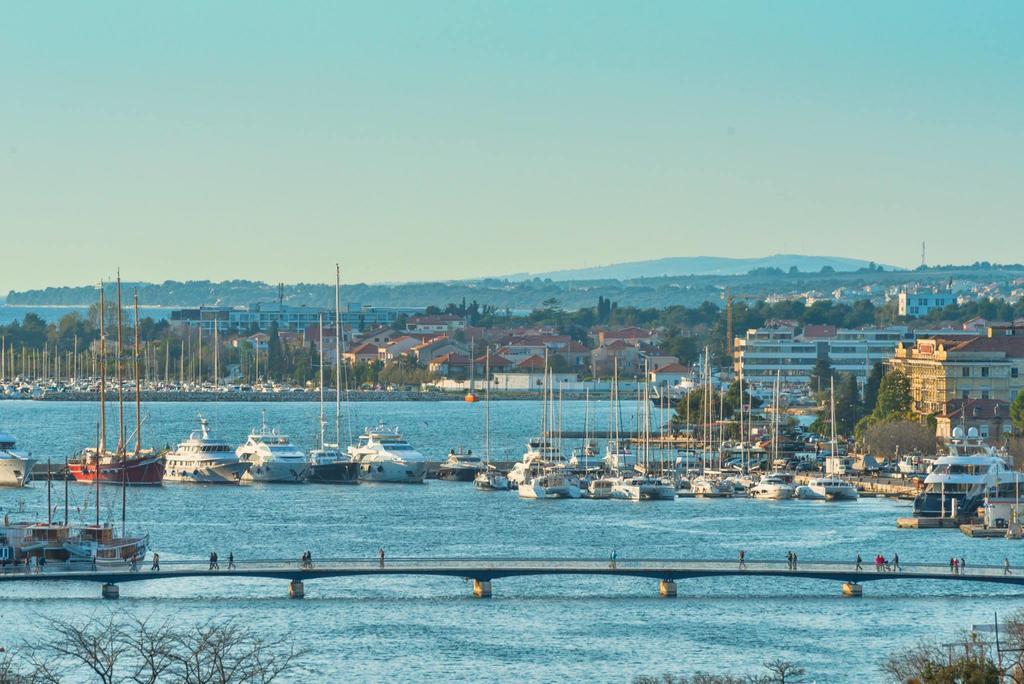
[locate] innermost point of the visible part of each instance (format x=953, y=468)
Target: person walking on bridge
x=743, y=559
x=380, y=554
x=613, y=558
x=231, y=560
x=963, y=565
x=896, y=562
x=859, y=568
x=156, y=563
x=1006, y=566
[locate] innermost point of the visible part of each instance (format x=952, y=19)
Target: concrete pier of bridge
x=667, y=588
x=296, y=590
x=110, y=591
x=482, y=588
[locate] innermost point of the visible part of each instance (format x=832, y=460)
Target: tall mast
x=49, y=486
x=102, y=444
x=321, y=348
x=138, y=384
x=120, y=383
x=66, y=478
x=487, y=405
x=338, y=335
x=96, y=475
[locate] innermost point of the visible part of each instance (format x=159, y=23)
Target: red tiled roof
x=1011, y=345
x=531, y=362
x=672, y=368
x=819, y=331
x=364, y=348
x=977, y=408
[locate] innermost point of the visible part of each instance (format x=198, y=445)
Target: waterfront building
x=792, y=353
x=989, y=366
x=917, y=304
x=990, y=417
x=262, y=315
x=444, y=323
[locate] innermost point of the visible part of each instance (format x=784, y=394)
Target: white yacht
x=552, y=483
x=490, y=479
x=773, y=486
x=384, y=456
x=833, y=488
x=707, y=487
x=643, y=488
x=806, y=493
x=15, y=467
x=203, y=459
x=959, y=481
x=537, y=456
x=619, y=457
x=602, y=487
x=272, y=457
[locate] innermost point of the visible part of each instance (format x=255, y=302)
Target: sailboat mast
x=120, y=382
x=138, y=384
x=49, y=486
x=103, y=376
x=487, y=405
x=832, y=401
x=320, y=346
x=96, y=475
x=66, y=478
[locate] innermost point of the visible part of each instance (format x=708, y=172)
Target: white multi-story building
x=916, y=304
x=765, y=352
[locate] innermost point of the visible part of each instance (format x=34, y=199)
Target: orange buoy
x=470, y=397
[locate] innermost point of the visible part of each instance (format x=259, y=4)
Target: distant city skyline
x=421, y=141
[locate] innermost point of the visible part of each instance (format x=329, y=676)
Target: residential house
x=991, y=417
x=443, y=323
x=451, y=365
x=366, y=352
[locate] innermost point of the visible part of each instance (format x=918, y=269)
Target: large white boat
x=552, y=483
x=384, y=456
x=960, y=481
x=773, y=486
x=272, y=457
x=203, y=459
x=833, y=488
x=643, y=488
x=708, y=487
x=15, y=467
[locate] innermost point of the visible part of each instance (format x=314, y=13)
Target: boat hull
x=457, y=474
x=276, y=471
x=393, y=472
x=134, y=471
x=334, y=473
x=221, y=473
x=16, y=472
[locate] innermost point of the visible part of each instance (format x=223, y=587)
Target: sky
x=442, y=140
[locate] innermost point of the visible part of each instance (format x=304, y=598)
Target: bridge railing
x=472, y=565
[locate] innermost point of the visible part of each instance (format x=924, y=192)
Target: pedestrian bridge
x=483, y=571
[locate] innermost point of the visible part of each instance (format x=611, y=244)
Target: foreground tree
x=129, y=649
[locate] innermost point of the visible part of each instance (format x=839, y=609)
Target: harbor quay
x=482, y=572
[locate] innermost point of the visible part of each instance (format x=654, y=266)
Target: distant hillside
x=703, y=265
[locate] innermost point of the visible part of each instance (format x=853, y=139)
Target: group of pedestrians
x=958, y=566
x=883, y=565
x=215, y=561
x=791, y=560
x=307, y=560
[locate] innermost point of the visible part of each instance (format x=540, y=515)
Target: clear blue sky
x=427, y=140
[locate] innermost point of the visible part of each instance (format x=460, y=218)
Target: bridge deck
x=487, y=569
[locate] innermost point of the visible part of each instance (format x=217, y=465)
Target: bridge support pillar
x=482, y=588
x=667, y=588
x=852, y=589
x=110, y=591
x=296, y=590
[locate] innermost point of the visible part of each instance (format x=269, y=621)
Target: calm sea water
x=52, y=314
x=534, y=629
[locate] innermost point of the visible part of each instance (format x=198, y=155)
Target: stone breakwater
x=361, y=395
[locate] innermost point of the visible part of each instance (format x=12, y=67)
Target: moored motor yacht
x=960, y=481
x=384, y=456
x=15, y=467
x=204, y=459
x=331, y=465
x=552, y=483
x=707, y=487
x=833, y=488
x=491, y=479
x=461, y=466
x=643, y=488
x=775, y=486
x=272, y=457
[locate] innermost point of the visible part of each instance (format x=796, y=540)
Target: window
x=1014, y=372
x=984, y=371
x=965, y=372
x=966, y=394
x=984, y=394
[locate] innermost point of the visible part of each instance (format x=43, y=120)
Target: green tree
x=820, y=376
x=871, y=387
x=1017, y=413
x=894, y=398
x=276, y=364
